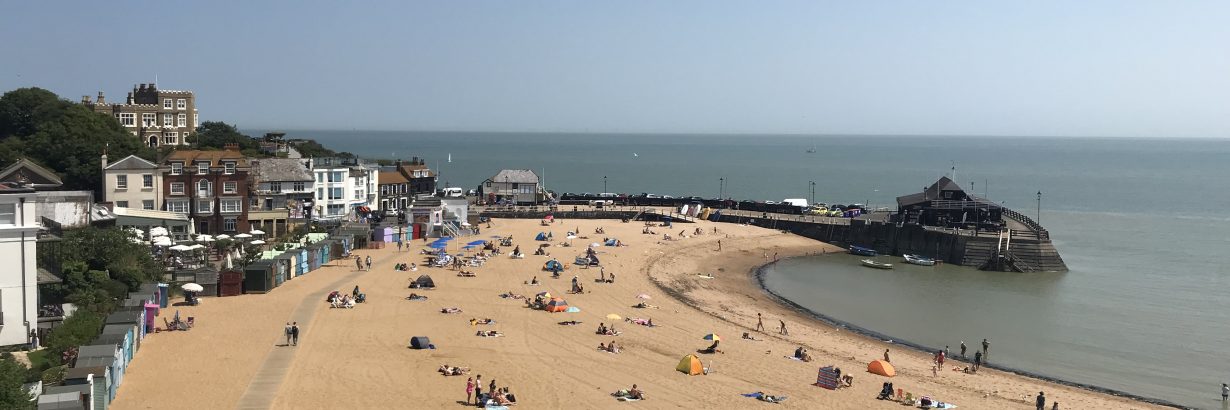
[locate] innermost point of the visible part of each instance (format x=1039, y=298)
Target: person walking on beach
x=986, y=349
x=369, y=262
x=783, y=328
x=399, y=244
x=294, y=334
x=939, y=358
x=1041, y=402
x=358, y=263
x=962, y=349
x=759, y=323
x=977, y=361
x=719, y=245
x=470, y=391
x=886, y=356
x=1225, y=392
x=288, y=330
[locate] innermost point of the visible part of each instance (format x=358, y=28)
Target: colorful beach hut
x=134, y=317
x=65, y=397
x=301, y=261
x=97, y=378
x=285, y=268
x=113, y=371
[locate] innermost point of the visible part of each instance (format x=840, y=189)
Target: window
x=202, y=168
x=168, y=120
x=335, y=193
x=336, y=209
x=232, y=205
x=488, y=184
x=177, y=168
x=147, y=204
x=177, y=206
x=275, y=187
x=526, y=188
x=300, y=187
x=121, y=204
x=320, y=177
x=167, y=103
x=147, y=181
x=202, y=188
x=128, y=119
x=170, y=138
x=358, y=194
x=320, y=193
x=205, y=206
x=181, y=104
x=177, y=188
x=228, y=168
x=8, y=214
x=229, y=187
x=228, y=225
x=121, y=182
x=149, y=119
x=182, y=120
x=336, y=176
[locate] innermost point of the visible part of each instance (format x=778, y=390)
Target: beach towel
x=793, y=358
x=627, y=399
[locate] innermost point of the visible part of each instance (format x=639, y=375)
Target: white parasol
x=157, y=231
x=180, y=248
x=257, y=232
x=204, y=238
x=222, y=236
x=162, y=241
x=243, y=236
x=196, y=246
x=192, y=287
x=257, y=242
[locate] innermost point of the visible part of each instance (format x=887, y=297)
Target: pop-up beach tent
x=557, y=305
x=420, y=342
x=690, y=364
x=542, y=236
x=553, y=266
x=611, y=242
x=882, y=368
x=425, y=281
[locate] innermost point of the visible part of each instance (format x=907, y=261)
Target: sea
x=1142, y=223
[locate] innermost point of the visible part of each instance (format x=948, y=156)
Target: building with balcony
x=157, y=117
x=282, y=190
x=345, y=188
x=19, y=277
x=512, y=186
x=211, y=187
x=132, y=182
x=400, y=183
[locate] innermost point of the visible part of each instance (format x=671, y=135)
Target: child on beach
x=470, y=390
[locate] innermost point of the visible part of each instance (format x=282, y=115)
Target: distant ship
x=812, y=150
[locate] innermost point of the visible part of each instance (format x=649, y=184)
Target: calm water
x=1141, y=223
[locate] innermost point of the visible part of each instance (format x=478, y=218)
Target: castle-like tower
x=157, y=117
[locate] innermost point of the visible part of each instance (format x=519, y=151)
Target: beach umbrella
x=544, y=294
x=572, y=309
x=243, y=236
x=192, y=287
x=257, y=242
x=162, y=241
x=204, y=238
x=475, y=243
x=642, y=296
x=468, y=247
x=438, y=245
x=222, y=236
x=257, y=232
x=712, y=337
x=614, y=317
x=196, y=246
x=158, y=231
x=136, y=232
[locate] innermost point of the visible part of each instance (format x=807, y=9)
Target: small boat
x=878, y=265
x=919, y=260
x=859, y=250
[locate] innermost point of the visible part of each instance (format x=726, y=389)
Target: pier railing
x=1040, y=232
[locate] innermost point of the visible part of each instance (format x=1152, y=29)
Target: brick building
x=211, y=187
x=400, y=183
x=157, y=117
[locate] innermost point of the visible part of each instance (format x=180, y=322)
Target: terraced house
x=211, y=187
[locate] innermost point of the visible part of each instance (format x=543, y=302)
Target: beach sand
x=358, y=358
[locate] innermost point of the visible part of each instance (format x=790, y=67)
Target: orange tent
x=882, y=368
x=690, y=364
x=557, y=305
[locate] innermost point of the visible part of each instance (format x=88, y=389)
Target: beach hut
x=690, y=365
x=301, y=261
x=337, y=248
x=285, y=267
x=882, y=368
x=258, y=277
x=65, y=397
x=556, y=305
x=96, y=378
x=103, y=349
x=134, y=317
x=424, y=282
x=313, y=256
x=151, y=312
x=420, y=342
x=230, y=283
x=208, y=279
x=827, y=378
x=121, y=339
x=115, y=373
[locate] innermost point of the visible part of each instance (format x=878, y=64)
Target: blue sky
x=1049, y=68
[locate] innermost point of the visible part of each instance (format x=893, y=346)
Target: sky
x=1119, y=68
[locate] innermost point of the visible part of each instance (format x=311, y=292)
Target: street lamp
x=813, y=192
x=1039, y=220
x=721, y=188
x=604, y=184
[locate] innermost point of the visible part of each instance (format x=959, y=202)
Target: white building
x=344, y=186
x=132, y=182
x=18, y=268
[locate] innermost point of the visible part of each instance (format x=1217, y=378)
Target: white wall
x=136, y=192
x=18, y=271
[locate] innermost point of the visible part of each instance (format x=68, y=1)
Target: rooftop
x=131, y=162
x=280, y=170
x=214, y=157
x=517, y=176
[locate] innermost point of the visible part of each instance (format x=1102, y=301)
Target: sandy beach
x=358, y=358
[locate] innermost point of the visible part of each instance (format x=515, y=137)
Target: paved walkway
x=263, y=388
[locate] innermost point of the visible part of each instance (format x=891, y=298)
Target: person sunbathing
x=612, y=348
x=644, y=305
x=569, y=323
x=713, y=348
x=511, y=295
x=489, y=333
x=450, y=310
x=765, y=397
x=467, y=274
x=601, y=346
x=635, y=393
x=415, y=296
x=847, y=380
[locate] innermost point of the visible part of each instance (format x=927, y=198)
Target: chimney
x=142, y=87
x=104, y=159
x=85, y=99
x=397, y=163
x=101, y=100
x=129, y=98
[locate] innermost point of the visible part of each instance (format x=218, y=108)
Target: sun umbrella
x=243, y=236
x=196, y=246
x=570, y=237
x=642, y=296
x=192, y=287
x=162, y=241
x=257, y=232
x=614, y=317
x=544, y=294
x=157, y=231
x=475, y=243
x=438, y=245
x=257, y=242
x=136, y=232
x=572, y=309
x=468, y=247
x=712, y=337
x=204, y=238
x=222, y=236
x=557, y=305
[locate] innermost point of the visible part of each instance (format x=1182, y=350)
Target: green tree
x=12, y=393
x=217, y=135
x=66, y=137
x=110, y=250
x=78, y=329
x=313, y=149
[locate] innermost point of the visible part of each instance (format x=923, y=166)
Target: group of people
x=802, y=354
x=611, y=348
x=292, y=333
x=360, y=263
x=498, y=396
x=406, y=267
x=608, y=331
x=447, y=370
